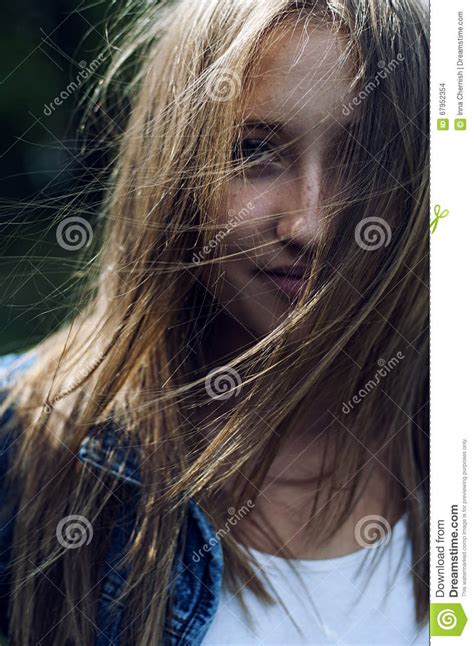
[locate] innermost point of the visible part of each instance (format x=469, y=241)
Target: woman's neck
x=284, y=505
x=285, y=500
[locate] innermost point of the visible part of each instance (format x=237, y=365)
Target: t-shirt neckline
x=273, y=561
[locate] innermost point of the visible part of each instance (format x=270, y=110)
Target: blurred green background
x=44, y=45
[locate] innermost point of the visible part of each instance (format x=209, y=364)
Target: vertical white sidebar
x=452, y=329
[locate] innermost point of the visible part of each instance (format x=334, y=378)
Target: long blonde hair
x=134, y=352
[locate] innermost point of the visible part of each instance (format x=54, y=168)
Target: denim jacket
x=197, y=582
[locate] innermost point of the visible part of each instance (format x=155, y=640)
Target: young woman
x=228, y=443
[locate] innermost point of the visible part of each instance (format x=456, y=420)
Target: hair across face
x=272, y=214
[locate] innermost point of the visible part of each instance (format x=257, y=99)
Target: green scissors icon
x=438, y=216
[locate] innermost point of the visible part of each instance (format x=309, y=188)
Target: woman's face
x=273, y=211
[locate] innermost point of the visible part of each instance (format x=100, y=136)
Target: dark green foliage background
x=42, y=167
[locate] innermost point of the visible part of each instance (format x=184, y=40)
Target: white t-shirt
x=351, y=599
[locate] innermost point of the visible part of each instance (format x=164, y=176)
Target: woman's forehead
x=300, y=79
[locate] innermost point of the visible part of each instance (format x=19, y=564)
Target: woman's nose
x=301, y=220
x=294, y=228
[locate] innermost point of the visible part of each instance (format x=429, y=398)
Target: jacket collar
x=106, y=449
x=197, y=581
x=110, y=449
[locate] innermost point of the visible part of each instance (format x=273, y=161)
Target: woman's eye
x=253, y=150
x=258, y=156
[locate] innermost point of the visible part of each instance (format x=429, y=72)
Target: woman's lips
x=290, y=285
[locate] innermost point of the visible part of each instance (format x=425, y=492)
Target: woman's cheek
x=252, y=204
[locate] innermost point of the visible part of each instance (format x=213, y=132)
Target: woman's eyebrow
x=275, y=127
